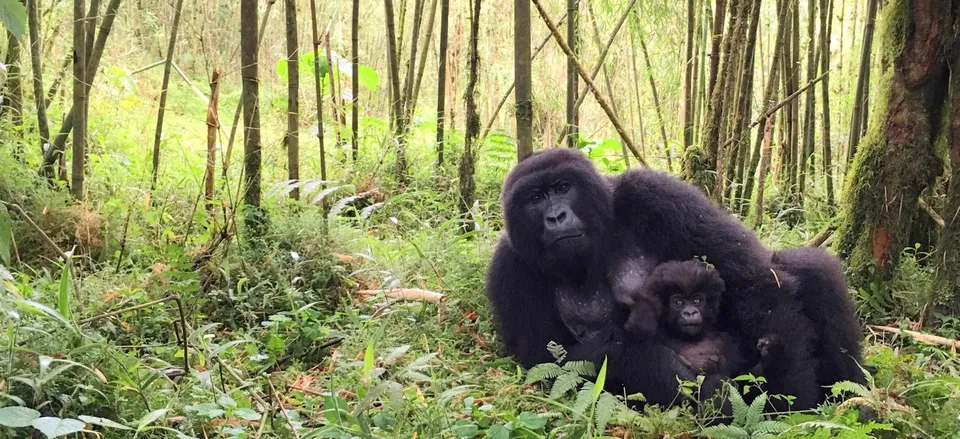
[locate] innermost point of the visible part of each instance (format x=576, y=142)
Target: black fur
x=632, y=222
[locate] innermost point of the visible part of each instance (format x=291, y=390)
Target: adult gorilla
x=576, y=241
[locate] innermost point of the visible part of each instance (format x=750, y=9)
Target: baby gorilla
x=686, y=296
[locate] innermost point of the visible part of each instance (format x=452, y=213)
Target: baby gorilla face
x=686, y=314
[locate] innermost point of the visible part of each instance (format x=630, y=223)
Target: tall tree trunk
x=427, y=41
x=826, y=12
x=92, y=16
x=573, y=84
x=213, y=124
x=897, y=159
x=36, y=62
x=863, y=82
x=522, y=73
x=395, y=98
x=332, y=74
x=59, y=143
x=239, y=109
x=809, y=110
x=251, y=114
x=167, y=67
x=467, y=160
x=13, y=98
x=442, y=78
x=689, y=64
x=656, y=100
x=355, y=81
x=79, y=99
x=947, y=280
x=318, y=88
x=716, y=37
x=408, y=101
x=766, y=136
x=744, y=105
x=701, y=171
x=726, y=151
x=769, y=98
x=292, y=137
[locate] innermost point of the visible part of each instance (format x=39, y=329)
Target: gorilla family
x=578, y=246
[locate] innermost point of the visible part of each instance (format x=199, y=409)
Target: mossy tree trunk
x=896, y=160
x=948, y=258
x=468, y=159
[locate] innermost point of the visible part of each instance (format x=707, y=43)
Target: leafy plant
x=748, y=420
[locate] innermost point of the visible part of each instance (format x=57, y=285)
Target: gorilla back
x=575, y=239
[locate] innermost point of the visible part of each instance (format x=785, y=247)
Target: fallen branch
x=405, y=293
x=821, y=237
x=933, y=213
x=919, y=336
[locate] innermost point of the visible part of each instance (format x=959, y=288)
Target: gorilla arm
x=524, y=312
x=527, y=319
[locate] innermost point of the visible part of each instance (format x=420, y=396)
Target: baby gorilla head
x=688, y=294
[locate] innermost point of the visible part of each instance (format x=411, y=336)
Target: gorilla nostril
x=561, y=217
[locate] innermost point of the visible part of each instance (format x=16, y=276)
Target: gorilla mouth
x=566, y=238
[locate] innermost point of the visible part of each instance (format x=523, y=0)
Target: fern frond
x=564, y=384
x=739, y=406
x=557, y=350
x=584, y=399
x=852, y=387
x=755, y=412
x=767, y=428
x=395, y=354
x=582, y=368
x=724, y=432
x=606, y=407
x=543, y=372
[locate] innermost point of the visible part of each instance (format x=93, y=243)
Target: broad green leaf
x=601, y=380
x=150, y=418
x=531, y=421
x=63, y=301
x=207, y=410
x=368, y=357
x=56, y=427
x=13, y=15
x=369, y=79
x=465, y=429
x=17, y=416
x=103, y=422
x=6, y=236
x=247, y=414
x=498, y=432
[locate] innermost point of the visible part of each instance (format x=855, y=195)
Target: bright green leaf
x=63, y=300
x=247, y=414
x=103, y=422
x=531, y=421
x=368, y=357
x=601, y=379
x=498, y=432
x=13, y=15
x=150, y=418
x=6, y=236
x=56, y=427
x=17, y=416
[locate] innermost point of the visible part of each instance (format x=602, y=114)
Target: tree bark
x=355, y=81
x=37, y=64
x=523, y=77
x=744, y=105
x=573, y=84
x=408, y=101
x=442, y=78
x=467, y=165
x=716, y=37
x=14, y=87
x=167, y=67
x=863, y=82
x=318, y=88
x=809, y=110
x=395, y=98
x=251, y=115
x=689, y=64
x=213, y=124
x=79, y=99
x=292, y=138
x=422, y=64
x=947, y=280
x=826, y=12
x=897, y=159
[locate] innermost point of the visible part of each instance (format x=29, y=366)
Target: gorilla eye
x=536, y=197
x=678, y=303
x=563, y=187
x=696, y=301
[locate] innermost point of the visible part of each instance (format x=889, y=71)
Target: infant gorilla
x=686, y=298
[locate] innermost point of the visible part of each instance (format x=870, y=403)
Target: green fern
x=767, y=428
x=584, y=399
x=582, y=368
x=565, y=383
x=852, y=387
x=755, y=412
x=607, y=406
x=725, y=432
x=543, y=372
x=740, y=408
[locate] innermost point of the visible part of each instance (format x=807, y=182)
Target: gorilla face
x=556, y=210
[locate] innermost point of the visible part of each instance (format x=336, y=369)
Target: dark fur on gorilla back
x=636, y=220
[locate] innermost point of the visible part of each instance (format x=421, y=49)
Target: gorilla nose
x=556, y=218
x=690, y=313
